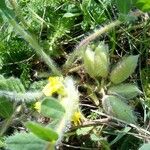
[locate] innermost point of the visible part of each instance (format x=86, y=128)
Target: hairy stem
x=34, y=44
x=90, y=38
x=8, y=121
x=6, y=125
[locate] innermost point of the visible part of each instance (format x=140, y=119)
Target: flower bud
x=97, y=62
x=101, y=60
x=89, y=61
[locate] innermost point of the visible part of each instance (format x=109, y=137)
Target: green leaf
x=120, y=135
x=95, y=137
x=23, y=97
x=105, y=145
x=25, y=141
x=144, y=5
x=8, y=12
x=28, y=37
x=11, y=84
x=6, y=108
x=145, y=147
x=50, y=107
x=2, y=144
x=117, y=108
x=124, y=69
x=43, y=133
x=54, y=124
x=13, y=89
x=125, y=90
x=124, y=6
x=84, y=131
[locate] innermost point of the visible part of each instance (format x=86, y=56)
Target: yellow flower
x=77, y=118
x=55, y=85
x=37, y=106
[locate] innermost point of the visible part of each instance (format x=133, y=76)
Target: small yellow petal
x=47, y=90
x=55, y=80
x=55, y=85
x=76, y=118
x=62, y=92
x=37, y=106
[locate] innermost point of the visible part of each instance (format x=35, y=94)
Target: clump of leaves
x=56, y=109
x=144, y=5
x=13, y=54
x=97, y=64
x=114, y=92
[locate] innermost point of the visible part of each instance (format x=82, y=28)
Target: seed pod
x=125, y=90
x=117, y=108
x=89, y=61
x=124, y=69
x=101, y=60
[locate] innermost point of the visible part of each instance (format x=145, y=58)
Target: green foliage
x=21, y=97
x=8, y=12
x=15, y=50
x=6, y=108
x=52, y=28
x=48, y=21
x=117, y=108
x=145, y=78
x=94, y=12
x=83, y=131
x=43, y=133
x=124, y=69
x=13, y=89
x=25, y=76
x=96, y=61
x=11, y=84
x=1, y=144
x=58, y=111
x=121, y=134
x=37, y=85
x=30, y=39
x=128, y=91
x=25, y=141
x=145, y=146
x=99, y=60
x=144, y=5
x=51, y=108
x=113, y=105
x=124, y=6
x=13, y=54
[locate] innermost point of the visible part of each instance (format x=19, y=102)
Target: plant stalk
x=90, y=38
